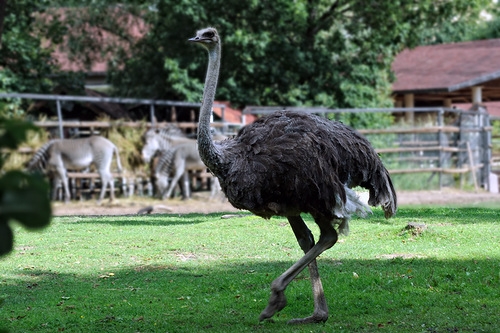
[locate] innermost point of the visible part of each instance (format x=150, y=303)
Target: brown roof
x=446, y=67
x=134, y=26
x=493, y=108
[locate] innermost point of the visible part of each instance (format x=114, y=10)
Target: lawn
x=200, y=273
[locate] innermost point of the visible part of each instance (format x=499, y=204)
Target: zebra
x=176, y=162
x=161, y=139
x=158, y=143
x=162, y=174
x=177, y=154
x=57, y=156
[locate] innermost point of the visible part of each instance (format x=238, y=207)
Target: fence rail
x=403, y=148
x=92, y=99
x=414, y=149
x=109, y=124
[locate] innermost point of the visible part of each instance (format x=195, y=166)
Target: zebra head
x=156, y=139
x=152, y=143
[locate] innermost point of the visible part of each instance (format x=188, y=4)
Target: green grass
x=200, y=273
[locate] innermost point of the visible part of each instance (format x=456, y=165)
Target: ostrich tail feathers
x=390, y=204
x=384, y=195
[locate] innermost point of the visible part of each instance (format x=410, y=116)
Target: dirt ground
x=201, y=203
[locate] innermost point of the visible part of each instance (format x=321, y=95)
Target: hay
x=15, y=160
x=129, y=143
x=127, y=139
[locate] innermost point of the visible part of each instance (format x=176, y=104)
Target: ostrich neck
x=208, y=152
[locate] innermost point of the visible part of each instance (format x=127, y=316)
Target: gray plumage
x=289, y=163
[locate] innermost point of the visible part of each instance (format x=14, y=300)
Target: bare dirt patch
x=201, y=203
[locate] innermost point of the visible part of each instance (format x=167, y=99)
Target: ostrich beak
x=199, y=39
x=196, y=39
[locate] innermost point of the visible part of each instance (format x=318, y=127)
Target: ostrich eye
x=208, y=34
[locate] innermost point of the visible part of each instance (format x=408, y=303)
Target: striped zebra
x=161, y=139
x=172, y=169
x=176, y=155
x=57, y=156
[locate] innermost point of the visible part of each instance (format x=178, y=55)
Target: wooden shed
x=449, y=75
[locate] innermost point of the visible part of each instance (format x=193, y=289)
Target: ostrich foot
x=276, y=303
x=315, y=318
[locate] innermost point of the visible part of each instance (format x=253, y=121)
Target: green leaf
x=13, y=132
x=25, y=198
x=6, y=238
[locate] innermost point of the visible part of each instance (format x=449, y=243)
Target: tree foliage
x=487, y=29
x=316, y=52
x=23, y=197
x=26, y=61
x=25, y=65
x=333, y=53
x=471, y=25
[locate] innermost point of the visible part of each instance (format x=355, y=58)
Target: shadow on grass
x=462, y=215
x=399, y=295
x=151, y=220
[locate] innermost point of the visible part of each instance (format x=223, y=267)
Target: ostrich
x=288, y=163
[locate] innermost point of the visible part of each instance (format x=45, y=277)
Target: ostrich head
x=210, y=40
x=207, y=37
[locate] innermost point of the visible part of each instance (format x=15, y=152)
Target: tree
x=488, y=28
x=26, y=63
x=23, y=197
x=316, y=52
x=333, y=53
x=26, y=66
x=471, y=25
x=3, y=5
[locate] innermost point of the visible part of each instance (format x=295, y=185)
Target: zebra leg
x=186, y=191
x=111, y=188
x=103, y=165
x=179, y=170
x=215, y=188
x=56, y=185
x=106, y=178
x=64, y=178
x=73, y=188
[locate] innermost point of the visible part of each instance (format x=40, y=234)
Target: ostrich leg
x=305, y=239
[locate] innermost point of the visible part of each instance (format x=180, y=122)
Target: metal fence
x=58, y=99
x=443, y=150
x=433, y=145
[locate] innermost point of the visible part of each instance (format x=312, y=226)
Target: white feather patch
x=353, y=205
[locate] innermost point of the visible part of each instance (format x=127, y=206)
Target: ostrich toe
x=276, y=303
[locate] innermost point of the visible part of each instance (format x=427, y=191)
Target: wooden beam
x=409, y=101
x=477, y=95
